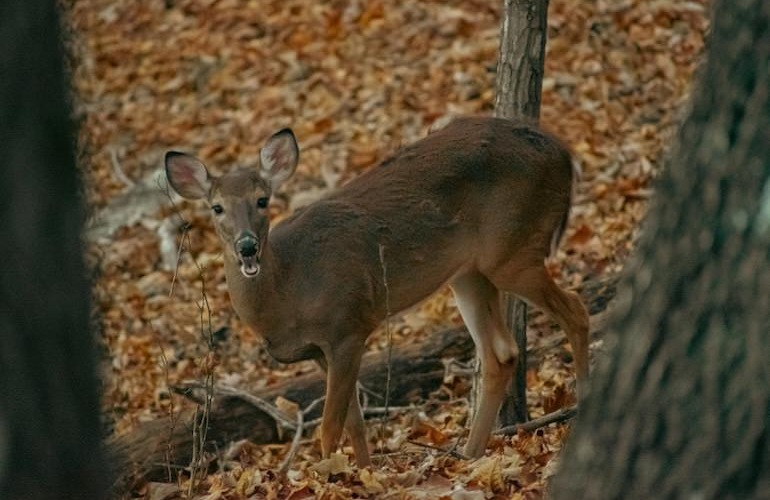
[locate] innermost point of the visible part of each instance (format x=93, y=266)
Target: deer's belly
x=290, y=352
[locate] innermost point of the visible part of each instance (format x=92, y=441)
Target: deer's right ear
x=187, y=175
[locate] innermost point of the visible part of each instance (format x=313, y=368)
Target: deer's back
x=474, y=194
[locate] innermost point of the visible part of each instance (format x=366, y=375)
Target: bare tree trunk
x=519, y=83
x=681, y=409
x=522, y=59
x=49, y=424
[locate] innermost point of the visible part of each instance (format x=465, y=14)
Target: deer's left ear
x=187, y=175
x=278, y=158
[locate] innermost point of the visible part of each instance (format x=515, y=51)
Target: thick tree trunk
x=681, y=409
x=519, y=83
x=49, y=424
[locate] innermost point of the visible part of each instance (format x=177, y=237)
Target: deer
x=478, y=205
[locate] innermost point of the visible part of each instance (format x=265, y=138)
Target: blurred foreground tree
x=681, y=409
x=49, y=425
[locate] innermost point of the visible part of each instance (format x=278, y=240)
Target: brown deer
x=479, y=205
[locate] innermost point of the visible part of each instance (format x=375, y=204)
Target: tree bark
x=522, y=59
x=681, y=409
x=49, y=424
x=519, y=83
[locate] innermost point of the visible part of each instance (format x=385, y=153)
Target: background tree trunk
x=49, y=424
x=522, y=59
x=519, y=83
x=681, y=409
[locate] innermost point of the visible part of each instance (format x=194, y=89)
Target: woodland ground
x=355, y=80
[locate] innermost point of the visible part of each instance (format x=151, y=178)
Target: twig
x=379, y=410
x=163, y=188
x=313, y=404
x=185, y=237
x=294, y=444
x=117, y=168
x=390, y=340
x=451, y=452
x=173, y=417
x=277, y=415
x=419, y=473
x=185, y=234
x=297, y=436
x=475, y=393
x=225, y=390
x=362, y=389
x=201, y=427
x=560, y=415
x=202, y=415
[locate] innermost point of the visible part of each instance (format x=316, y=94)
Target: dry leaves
x=355, y=79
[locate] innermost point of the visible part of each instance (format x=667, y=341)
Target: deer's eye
x=217, y=209
x=262, y=202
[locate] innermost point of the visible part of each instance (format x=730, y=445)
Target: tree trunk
x=49, y=424
x=522, y=59
x=681, y=409
x=519, y=83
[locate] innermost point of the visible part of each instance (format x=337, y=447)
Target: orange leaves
x=424, y=432
x=581, y=235
x=356, y=80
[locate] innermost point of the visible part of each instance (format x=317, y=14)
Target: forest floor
x=355, y=80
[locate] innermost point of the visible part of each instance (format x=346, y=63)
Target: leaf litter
x=355, y=80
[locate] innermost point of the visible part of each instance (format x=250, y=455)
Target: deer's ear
x=187, y=175
x=279, y=157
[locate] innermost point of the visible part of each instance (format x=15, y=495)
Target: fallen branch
x=259, y=403
x=558, y=416
x=236, y=414
x=297, y=436
x=450, y=452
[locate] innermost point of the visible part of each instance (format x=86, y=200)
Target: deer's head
x=239, y=199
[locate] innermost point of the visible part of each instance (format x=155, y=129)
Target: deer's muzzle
x=247, y=250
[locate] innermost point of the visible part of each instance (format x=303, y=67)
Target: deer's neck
x=253, y=298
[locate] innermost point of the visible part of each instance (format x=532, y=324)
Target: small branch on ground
x=558, y=416
x=450, y=452
x=279, y=416
x=297, y=436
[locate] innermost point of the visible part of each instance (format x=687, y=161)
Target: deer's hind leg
x=479, y=303
x=535, y=285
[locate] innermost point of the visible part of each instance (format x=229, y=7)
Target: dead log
x=156, y=450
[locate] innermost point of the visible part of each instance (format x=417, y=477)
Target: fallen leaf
x=337, y=463
x=488, y=472
x=372, y=481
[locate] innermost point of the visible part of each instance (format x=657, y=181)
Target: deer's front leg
x=342, y=364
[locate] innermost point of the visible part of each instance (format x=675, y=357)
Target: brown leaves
x=336, y=464
x=424, y=432
x=355, y=80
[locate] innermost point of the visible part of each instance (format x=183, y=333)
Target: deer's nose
x=247, y=245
